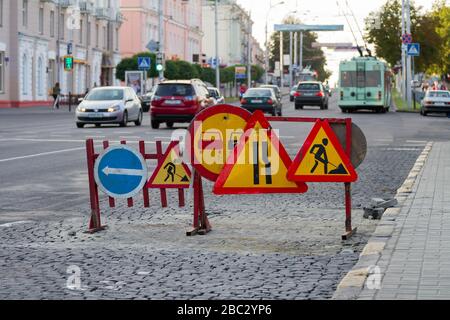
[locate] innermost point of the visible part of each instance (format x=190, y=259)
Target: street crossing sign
x=322, y=158
x=258, y=163
x=120, y=171
x=214, y=133
x=172, y=172
x=413, y=49
x=144, y=63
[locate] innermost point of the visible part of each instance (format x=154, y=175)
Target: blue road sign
x=144, y=63
x=69, y=48
x=120, y=171
x=413, y=49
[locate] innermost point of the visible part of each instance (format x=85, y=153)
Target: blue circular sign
x=120, y=171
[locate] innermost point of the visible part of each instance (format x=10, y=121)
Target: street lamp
x=267, y=45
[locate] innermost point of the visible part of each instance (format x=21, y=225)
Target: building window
x=25, y=13
x=61, y=26
x=97, y=28
x=52, y=24
x=24, y=74
x=1, y=13
x=2, y=72
x=40, y=76
x=81, y=31
x=88, y=30
x=41, y=20
x=117, y=39
x=105, y=38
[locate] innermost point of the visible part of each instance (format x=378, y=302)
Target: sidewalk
x=411, y=246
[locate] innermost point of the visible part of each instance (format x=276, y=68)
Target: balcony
x=86, y=7
x=67, y=3
x=102, y=13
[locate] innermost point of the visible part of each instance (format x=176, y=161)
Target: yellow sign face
x=322, y=158
x=172, y=172
x=214, y=135
x=259, y=164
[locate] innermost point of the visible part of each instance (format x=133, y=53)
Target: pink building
x=181, y=27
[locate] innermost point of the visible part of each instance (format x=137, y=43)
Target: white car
x=436, y=101
x=215, y=94
x=106, y=105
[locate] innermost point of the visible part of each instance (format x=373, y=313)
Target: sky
x=318, y=12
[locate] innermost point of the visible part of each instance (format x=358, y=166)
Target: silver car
x=106, y=105
x=436, y=101
x=215, y=94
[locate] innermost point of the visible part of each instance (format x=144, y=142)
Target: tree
x=131, y=64
x=387, y=35
x=441, y=12
x=311, y=56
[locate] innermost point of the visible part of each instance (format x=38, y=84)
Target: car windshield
x=271, y=87
x=181, y=90
x=438, y=94
x=258, y=93
x=309, y=86
x=213, y=93
x=105, y=94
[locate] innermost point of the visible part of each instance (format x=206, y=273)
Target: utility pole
x=295, y=51
x=249, y=52
x=403, y=53
x=300, y=63
x=281, y=60
x=58, y=35
x=161, y=37
x=290, y=59
x=408, y=61
x=216, y=14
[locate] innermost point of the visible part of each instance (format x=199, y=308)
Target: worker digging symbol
x=321, y=156
x=172, y=172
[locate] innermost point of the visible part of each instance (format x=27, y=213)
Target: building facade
x=182, y=22
x=234, y=26
x=35, y=35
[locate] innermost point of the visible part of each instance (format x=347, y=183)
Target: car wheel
x=273, y=112
x=322, y=107
x=297, y=106
x=280, y=112
x=424, y=114
x=80, y=125
x=124, y=122
x=169, y=125
x=155, y=124
x=292, y=99
x=344, y=110
x=138, y=122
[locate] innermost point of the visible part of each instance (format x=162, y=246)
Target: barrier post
x=145, y=189
x=95, y=222
x=160, y=154
x=349, y=231
x=201, y=223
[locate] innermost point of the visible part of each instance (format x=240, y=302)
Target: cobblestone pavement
x=261, y=247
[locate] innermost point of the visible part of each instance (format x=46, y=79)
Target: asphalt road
x=43, y=161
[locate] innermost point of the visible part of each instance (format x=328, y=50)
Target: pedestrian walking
x=56, y=92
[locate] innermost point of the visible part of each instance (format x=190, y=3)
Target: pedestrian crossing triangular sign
x=171, y=172
x=258, y=163
x=144, y=64
x=322, y=158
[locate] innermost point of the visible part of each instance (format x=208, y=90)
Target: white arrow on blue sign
x=120, y=171
x=144, y=63
x=413, y=49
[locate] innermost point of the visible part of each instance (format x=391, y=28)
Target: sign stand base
x=201, y=223
x=348, y=234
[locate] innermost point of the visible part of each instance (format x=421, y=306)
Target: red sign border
x=219, y=188
x=204, y=115
x=352, y=177
x=174, y=145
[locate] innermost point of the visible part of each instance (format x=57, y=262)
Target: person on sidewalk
x=56, y=91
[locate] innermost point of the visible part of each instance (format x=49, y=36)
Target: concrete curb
x=351, y=285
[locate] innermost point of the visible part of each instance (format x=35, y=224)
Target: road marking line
x=40, y=154
x=10, y=224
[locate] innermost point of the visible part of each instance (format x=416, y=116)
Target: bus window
x=373, y=78
x=348, y=79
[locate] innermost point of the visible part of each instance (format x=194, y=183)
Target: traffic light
x=159, y=61
x=68, y=63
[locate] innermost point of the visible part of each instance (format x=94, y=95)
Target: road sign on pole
x=406, y=38
x=144, y=63
x=120, y=171
x=322, y=158
x=258, y=164
x=413, y=49
x=171, y=172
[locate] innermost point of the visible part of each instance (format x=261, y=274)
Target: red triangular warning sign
x=258, y=163
x=172, y=172
x=322, y=158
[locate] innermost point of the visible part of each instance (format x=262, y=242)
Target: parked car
x=292, y=92
x=106, y=105
x=311, y=93
x=275, y=88
x=263, y=99
x=436, y=101
x=146, y=99
x=215, y=93
x=178, y=101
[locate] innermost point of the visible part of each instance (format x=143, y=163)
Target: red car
x=178, y=101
